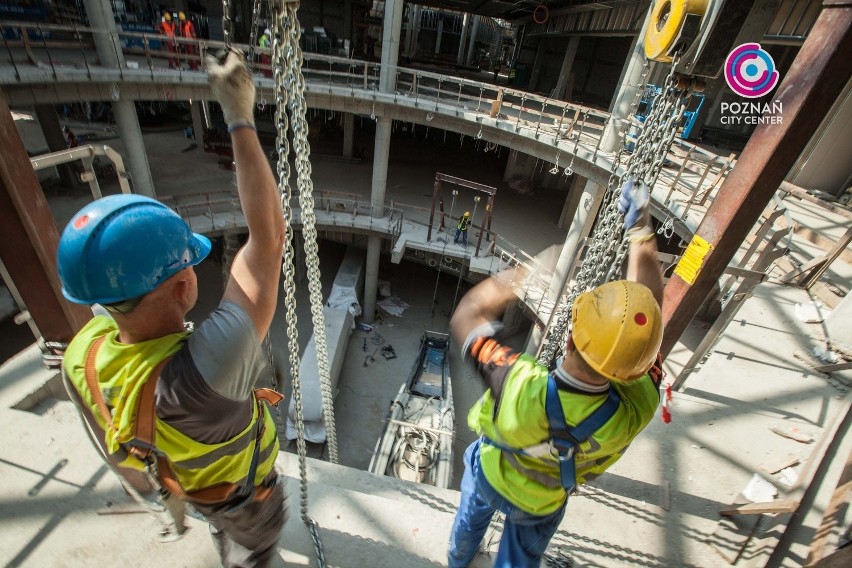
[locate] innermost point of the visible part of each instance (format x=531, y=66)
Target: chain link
x=227, y=23
x=289, y=88
x=255, y=24
x=607, y=246
x=299, y=125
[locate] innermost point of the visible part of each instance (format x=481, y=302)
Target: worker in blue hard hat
x=176, y=411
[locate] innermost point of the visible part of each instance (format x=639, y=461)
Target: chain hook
x=555, y=169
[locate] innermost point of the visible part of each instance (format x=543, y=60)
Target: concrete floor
x=656, y=507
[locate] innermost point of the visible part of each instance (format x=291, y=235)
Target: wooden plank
x=827, y=536
x=778, y=463
x=732, y=533
x=760, y=508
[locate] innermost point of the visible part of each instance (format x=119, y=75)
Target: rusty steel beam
x=813, y=83
x=30, y=238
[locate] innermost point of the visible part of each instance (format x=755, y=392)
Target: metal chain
x=607, y=246
x=284, y=30
x=299, y=125
x=227, y=22
x=255, y=20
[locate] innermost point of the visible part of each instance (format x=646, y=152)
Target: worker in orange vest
x=187, y=31
x=167, y=28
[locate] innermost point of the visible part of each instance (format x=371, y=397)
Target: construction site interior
x=529, y=115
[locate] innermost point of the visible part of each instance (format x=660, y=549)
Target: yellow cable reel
x=674, y=26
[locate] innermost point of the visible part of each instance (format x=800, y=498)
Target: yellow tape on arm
x=693, y=259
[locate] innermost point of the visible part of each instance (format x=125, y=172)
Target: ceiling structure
x=522, y=11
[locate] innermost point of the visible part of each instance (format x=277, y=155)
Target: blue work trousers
x=463, y=234
x=525, y=536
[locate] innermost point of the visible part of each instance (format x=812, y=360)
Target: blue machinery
x=690, y=116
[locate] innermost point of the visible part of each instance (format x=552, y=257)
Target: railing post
x=11, y=57
x=47, y=50
x=82, y=52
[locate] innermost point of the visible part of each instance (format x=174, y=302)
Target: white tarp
x=348, y=283
x=338, y=327
x=394, y=306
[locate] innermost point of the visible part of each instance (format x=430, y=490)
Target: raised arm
x=643, y=266
x=484, y=303
x=256, y=269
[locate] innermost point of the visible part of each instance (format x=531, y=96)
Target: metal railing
x=571, y=131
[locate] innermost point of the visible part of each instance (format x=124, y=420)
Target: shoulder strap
x=92, y=381
x=566, y=440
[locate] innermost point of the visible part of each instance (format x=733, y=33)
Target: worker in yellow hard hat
x=167, y=28
x=461, y=228
x=544, y=433
x=187, y=31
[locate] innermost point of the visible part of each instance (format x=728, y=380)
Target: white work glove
x=635, y=205
x=233, y=87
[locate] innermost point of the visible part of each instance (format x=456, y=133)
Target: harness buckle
x=558, y=456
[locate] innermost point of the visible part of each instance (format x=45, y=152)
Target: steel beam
x=30, y=238
x=815, y=80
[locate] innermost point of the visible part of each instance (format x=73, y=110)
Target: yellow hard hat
x=618, y=329
x=467, y=213
x=167, y=16
x=181, y=16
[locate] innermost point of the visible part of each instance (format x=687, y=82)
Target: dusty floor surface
x=657, y=507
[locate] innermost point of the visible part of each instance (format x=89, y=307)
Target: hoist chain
x=227, y=22
x=299, y=125
x=288, y=78
x=607, y=246
x=255, y=19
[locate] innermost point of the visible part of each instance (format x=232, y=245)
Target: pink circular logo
x=750, y=71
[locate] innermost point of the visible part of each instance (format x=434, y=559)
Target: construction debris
x=793, y=434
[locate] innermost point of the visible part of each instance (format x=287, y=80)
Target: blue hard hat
x=122, y=247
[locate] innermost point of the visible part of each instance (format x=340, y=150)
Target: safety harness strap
x=566, y=440
x=143, y=444
x=92, y=382
x=563, y=440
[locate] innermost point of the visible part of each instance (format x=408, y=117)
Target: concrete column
x=416, y=32
x=633, y=78
x=472, y=40
x=134, y=147
x=48, y=120
x=109, y=53
x=391, y=32
x=578, y=182
x=518, y=165
x=465, y=30
x=377, y=198
x=387, y=82
x=198, y=122
x=106, y=37
x=567, y=64
x=581, y=227
x=537, y=62
x=440, y=36
x=348, y=135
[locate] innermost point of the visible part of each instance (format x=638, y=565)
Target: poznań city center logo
x=750, y=72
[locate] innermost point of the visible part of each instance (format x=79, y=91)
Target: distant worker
x=187, y=31
x=70, y=139
x=143, y=380
x=265, y=42
x=543, y=434
x=167, y=28
x=461, y=228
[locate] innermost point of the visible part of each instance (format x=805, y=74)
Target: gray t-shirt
x=205, y=390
